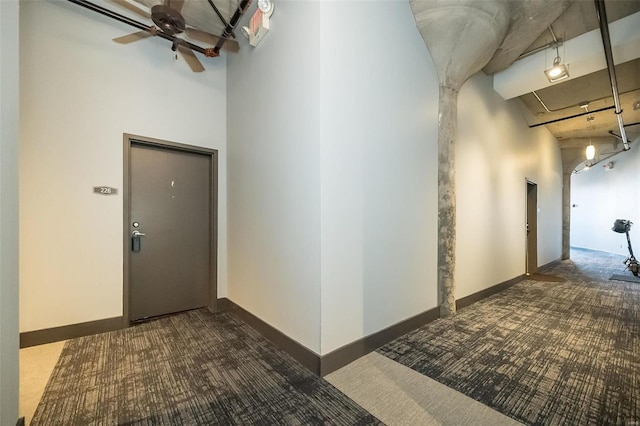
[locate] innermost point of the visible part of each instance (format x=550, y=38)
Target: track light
x=558, y=71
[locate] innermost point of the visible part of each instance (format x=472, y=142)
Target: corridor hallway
x=540, y=352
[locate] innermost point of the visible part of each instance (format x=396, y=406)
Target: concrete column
x=447, y=129
x=572, y=156
x=462, y=36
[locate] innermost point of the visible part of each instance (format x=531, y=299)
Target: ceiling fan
x=169, y=21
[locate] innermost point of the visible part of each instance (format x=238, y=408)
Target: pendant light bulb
x=591, y=152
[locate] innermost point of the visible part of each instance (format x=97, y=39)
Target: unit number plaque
x=105, y=190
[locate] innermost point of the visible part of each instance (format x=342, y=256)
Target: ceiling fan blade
x=176, y=5
x=229, y=44
x=132, y=8
x=190, y=57
x=130, y=38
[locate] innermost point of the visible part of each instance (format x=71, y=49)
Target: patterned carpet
x=195, y=368
x=543, y=353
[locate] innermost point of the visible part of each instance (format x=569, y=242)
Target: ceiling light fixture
x=591, y=152
x=558, y=71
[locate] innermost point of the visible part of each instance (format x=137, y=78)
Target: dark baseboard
x=323, y=365
x=222, y=305
x=56, y=334
x=352, y=351
x=303, y=355
x=482, y=294
x=20, y=422
x=338, y=358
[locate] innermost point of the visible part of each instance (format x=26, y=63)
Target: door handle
x=135, y=240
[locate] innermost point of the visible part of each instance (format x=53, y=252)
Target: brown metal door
x=170, y=204
x=532, y=228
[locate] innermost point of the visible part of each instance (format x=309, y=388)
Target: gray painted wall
x=9, y=212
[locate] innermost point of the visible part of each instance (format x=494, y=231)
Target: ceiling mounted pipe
x=571, y=117
x=461, y=36
x=601, y=12
x=612, y=133
x=233, y=22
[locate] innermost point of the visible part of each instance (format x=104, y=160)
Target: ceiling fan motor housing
x=167, y=19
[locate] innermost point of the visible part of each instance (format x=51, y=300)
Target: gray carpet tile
x=543, y=353
x=400, y=396
x=194, y=368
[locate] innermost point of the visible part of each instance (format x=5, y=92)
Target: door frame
x=128, y=140
x=527, y=269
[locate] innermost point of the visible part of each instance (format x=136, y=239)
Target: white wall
x=79, y=93
x=274, y=174
x=602, y=196
x=379, y=170
x=495, y=153
x=9, y=35
x=332, y=172
x=332, y=165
